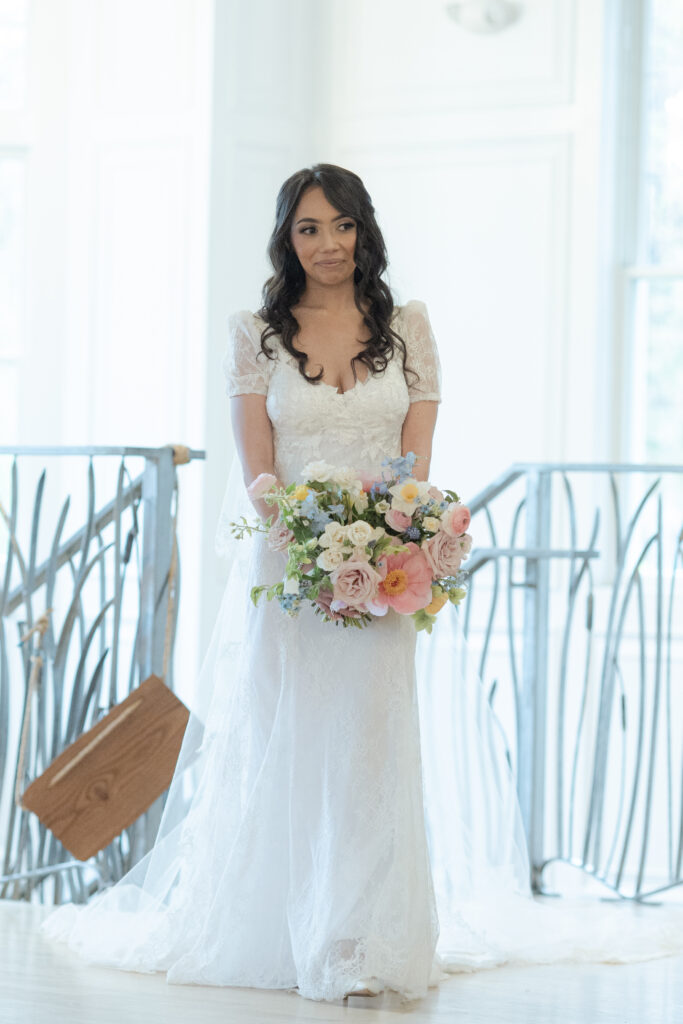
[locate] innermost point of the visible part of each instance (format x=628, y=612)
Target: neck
x=329, y=298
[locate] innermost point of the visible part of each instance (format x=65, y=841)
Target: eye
x=311, y=227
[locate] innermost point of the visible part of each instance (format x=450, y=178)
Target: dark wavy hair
x=346, y=192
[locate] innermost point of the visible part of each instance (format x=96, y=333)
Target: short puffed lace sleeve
x=422, y=354
x=245, y=365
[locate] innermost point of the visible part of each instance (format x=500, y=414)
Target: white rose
x=359, y=555
x=431, y=523
x=330, y=559
x=359, y=533
x=382, y=506
x=291, y=585
x=320, y=471
x=347, y=477
x=361, y=502
x=335, y=534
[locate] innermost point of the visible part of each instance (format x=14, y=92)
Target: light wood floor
x=42, y=982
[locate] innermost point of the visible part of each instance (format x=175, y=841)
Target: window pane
x=661, y=345
x=11, y=256
x=663, y=154
x=13, y=18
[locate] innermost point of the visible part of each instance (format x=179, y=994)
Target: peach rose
x=279, y=536
x=260, y=485
x=455, y=519
x=443, y=553
x=397, y=520
x=355, y=582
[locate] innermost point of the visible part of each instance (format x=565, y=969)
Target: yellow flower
x=439, y=598
x=300, y=492
x=409, y=491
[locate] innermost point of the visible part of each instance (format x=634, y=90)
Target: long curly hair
x=345, y=191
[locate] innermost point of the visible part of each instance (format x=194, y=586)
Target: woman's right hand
x=265, y=510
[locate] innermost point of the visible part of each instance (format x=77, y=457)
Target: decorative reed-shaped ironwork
x=94, y=616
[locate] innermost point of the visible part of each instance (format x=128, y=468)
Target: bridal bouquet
x=357, y=547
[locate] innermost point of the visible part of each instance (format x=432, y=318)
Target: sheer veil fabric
x=342, y=805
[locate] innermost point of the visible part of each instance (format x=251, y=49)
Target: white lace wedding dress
x=342, y=807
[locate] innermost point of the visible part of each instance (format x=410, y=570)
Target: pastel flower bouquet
x=357, y=547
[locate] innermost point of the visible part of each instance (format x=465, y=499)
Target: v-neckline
x=294, y=362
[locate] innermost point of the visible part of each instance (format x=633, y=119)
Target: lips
x=329, y=263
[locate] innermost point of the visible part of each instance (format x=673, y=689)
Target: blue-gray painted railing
x=97, y=589
x=594, y=704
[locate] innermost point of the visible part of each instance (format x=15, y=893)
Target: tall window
x=654, y=239
x=13, y=62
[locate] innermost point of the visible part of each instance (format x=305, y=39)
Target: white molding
x=354, y=22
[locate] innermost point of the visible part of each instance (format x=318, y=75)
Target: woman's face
x=323, y=239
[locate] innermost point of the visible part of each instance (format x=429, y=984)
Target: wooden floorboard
x=42, y=982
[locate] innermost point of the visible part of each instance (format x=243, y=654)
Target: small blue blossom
x=290, y=603
x=317, y=517
x=401, y=466
x=412, y=533
x=337, y=510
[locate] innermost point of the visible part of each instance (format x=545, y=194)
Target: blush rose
x=455, y=519
x=355, y=582
x=443, y=553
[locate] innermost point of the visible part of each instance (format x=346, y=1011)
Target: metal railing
x=574, y=617
x=113, y=585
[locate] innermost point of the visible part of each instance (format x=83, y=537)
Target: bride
x=342, y=817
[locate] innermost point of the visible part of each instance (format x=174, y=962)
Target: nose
x=329, y=245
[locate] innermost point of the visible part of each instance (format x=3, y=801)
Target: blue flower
x=401, y=466
x=412, y=533
x=317, y=517
x=337, y=510
x=290, y=603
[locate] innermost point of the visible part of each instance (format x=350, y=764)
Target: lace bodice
x=359, y=427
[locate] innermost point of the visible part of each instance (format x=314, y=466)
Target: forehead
x=313, y=203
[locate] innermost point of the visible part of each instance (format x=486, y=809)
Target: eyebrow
x=316, y=221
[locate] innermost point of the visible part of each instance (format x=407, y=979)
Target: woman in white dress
x=342, y=815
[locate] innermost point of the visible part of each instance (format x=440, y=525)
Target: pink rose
x=455, y=519
x=465, y=544
x=279, y=536
x=443, y=553
x=324, y=600
x=355, y=583
x=260, y=485
x=397, y=520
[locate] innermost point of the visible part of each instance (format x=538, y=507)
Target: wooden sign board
x=112, y=773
